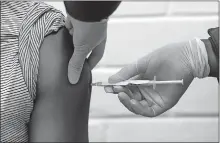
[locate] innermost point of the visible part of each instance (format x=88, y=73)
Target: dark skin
x=61, y=110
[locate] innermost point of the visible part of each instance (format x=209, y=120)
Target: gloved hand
x=172, y=62
x=87, y=37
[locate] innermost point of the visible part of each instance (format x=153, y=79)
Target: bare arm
x=61, y=109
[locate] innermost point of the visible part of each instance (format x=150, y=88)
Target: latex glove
x=87, y=37
x=172, y=62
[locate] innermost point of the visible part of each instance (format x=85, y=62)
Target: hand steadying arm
x=85, y=22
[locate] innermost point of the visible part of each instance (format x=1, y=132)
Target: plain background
x=135, y=29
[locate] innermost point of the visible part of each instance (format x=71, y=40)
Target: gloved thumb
x=76, y=64
x=128, y=72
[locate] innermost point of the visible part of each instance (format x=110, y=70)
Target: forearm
x=212, y=59
x=91, y=10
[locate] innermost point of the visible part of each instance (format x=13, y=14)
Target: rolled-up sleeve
x=214, y=39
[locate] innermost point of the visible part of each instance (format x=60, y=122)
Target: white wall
x=137, y=28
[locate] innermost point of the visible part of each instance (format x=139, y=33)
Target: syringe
x=138, y=82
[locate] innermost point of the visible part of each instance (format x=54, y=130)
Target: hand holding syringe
x=177, y=62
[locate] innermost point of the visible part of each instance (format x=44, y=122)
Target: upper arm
x=61, y=109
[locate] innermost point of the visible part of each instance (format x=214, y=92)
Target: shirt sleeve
x=214, y=39
x=91, y=11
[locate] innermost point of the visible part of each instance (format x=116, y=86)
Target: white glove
x=176, y=61
x=87, y=37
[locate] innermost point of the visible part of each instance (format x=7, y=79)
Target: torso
x=17, y=92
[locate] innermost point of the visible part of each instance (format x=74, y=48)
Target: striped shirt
x=23, y=28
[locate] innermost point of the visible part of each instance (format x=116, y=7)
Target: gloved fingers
x=145, y=103
x=124, y=74
x=96, y=54
x=68, y=23
x=151, y=95
x=89, y=33
x=138, y=77
x=109, y=89
x=76, y=64
x=124, y=89
x=145, y=97
x=141, y=109
x=125, y=100
x=129, y=71
x=157, y=110
x=71, y=32
x=118, y=89
x=136, y=92
x=152, y=105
